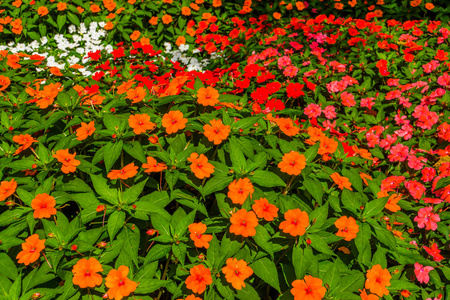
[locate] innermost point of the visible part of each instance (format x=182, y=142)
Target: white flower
x=184, y=48
x=72, y=28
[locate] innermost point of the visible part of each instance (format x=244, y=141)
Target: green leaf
x=135, y=149
x=311, y=153
x=8, y=267
x=236, y=156
x=351, y=283
x=247, y=293
x=216, y=183
x=115, y=222
x=362, y=243
x=112, y=154
x=266, y=179
x=319, y=216
x=213, y=252
x=246, y=123
x=374, y=207
x=351, y=200
x=299, y=261
x=314, y=187
x=265, y=269
x=156, y=252
x=133, y=192
x=102, y=188
x=383, y=235
x=354, y=178
x=262, y=238
x=73, y=19
x=61, y=20
x=442, y=183
x=182, y=225
x=318, y=243
x=149, y=285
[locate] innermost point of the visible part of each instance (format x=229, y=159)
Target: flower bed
x=282, y=156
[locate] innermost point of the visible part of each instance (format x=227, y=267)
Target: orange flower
x=136, y=95
x=287, y=126
x=277, y=15
x=292, y=163
x=85, y=273
x=109, y=4
x=126, y=172
x=153, y=166
x=55, y=71
x=4, y=82
x=339, y=6
x=236, y=271
x=125, y=86
x=243, y=223
x=200, y=240
x=119, y=284
x=217, y=3
x=327, y=146
x=12, y=61
x=85, y=130
x=25, y=140
x=238, y=191
x=429, y=6
x=309, y=288
x=42, y=11
x=200, y=166
x=265, y=210
x=347, y=228
x=174, y=121
x=365, y=177
x=191, y=297
x=185, y=11
x=181, y=40
x=61, y=6
x=341, y=181
x=153, y=21
x=216, y=132
x=207, y=96
x=95, y=8
x=296, y=222
x=140, y=123
x=68, y=160
x=392, y=203
x=31, y=250
x=80, y=9
x=198, y=280
x=44, y=206
x=364, y=296
x=7, y=188
x=17, y=3
x=377, y=280
x=109, y=25
x=167, y=19
x=135, y=35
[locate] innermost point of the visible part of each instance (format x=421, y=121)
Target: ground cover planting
x=224, y=150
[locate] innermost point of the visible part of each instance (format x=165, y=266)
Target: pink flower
x=444, y=80
x=435, y=252
x=330, y=112
x=428, y=174
x=290, y=71
x=348, y=99
x=284, y=61
x=398, y=153
x=415, y=162
x=422, y=273
x=415, y=189
x=393, y=82
x=313, y=110
x=426, y=218
x=368, y=102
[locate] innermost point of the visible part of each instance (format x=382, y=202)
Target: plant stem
x=164, y=274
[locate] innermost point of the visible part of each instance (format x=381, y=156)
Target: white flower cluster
x=62, y=51
x=179, y=55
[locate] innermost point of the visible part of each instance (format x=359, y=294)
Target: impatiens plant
x=224, y=150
